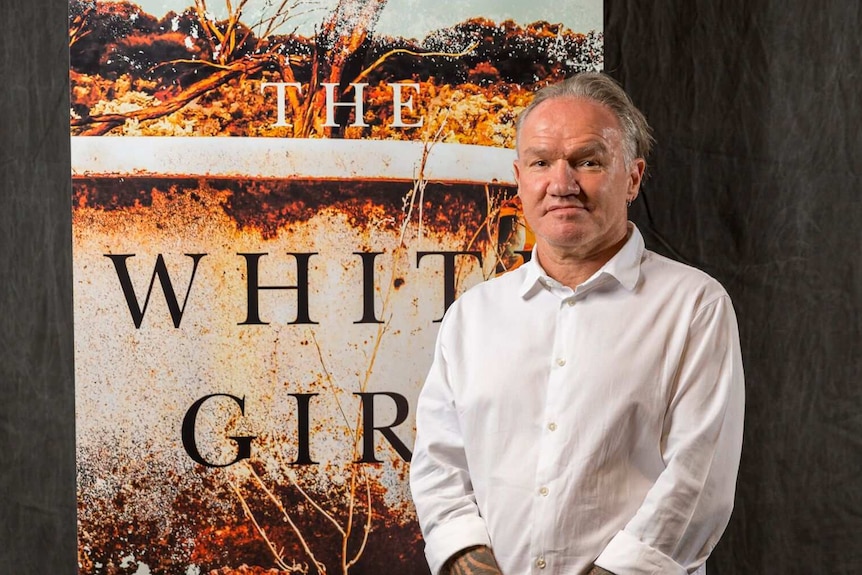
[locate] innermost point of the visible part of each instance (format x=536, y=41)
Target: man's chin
x=565, y=239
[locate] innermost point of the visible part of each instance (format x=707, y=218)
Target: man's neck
x=573, y=269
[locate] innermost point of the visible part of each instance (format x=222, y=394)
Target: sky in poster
x=415, y=18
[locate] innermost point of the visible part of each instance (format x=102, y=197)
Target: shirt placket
x=546, y=488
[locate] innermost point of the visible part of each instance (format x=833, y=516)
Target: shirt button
x=540, y=563
x=543, y=491
x=571, y=302
x=561, y=362
x=552, y=426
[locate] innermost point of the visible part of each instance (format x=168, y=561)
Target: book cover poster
x=274, y=202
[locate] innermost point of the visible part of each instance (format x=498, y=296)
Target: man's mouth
x=566, y=207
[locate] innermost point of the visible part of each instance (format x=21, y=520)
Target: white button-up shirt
x=564, y=428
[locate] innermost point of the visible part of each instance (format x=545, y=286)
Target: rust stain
x=269, y=206
x=140, y=500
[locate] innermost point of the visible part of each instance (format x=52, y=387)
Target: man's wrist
x=477, y=560
x=596, y=570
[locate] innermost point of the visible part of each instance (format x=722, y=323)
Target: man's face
x=574, y=178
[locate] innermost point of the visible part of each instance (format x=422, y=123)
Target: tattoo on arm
x=472, y=561
x=596, y=570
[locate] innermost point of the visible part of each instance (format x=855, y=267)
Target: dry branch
x=103, y=123
x=391, y=53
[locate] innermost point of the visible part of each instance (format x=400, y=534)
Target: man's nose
x=563, y=180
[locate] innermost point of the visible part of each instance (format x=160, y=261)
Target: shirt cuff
x=628, y=555
x=457, y=534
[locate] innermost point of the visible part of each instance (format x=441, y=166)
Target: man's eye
x=540, y=163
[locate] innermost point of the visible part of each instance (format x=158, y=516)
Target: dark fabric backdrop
x=37, y=399
x=757, y=112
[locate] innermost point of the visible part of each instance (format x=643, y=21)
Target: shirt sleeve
x=687, y=509
x=439, y=479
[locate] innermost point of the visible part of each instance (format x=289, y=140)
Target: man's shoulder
x=504, y=284
x=657, y=268
x=497, y=291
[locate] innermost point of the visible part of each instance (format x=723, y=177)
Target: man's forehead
x=571, y=118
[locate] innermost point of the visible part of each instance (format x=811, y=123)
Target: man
x=583, y=413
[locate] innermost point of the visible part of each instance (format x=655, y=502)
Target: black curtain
x=37, y=400
x=757, y=111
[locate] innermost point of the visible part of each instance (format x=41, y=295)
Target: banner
x=274, y=203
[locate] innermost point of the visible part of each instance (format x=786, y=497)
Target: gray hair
x=604, y=90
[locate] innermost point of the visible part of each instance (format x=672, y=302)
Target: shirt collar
x=624, y=267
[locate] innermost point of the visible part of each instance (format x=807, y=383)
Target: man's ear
x=636, y=175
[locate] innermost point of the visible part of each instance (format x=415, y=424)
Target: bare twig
x=308, y=497
x=362, y=75
x=227, y=43
x=320, y=566
x=76, y=26
x=367, y=530
x=247, y=510
x=103, y=123
x=328, y=377
x=419, y=183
